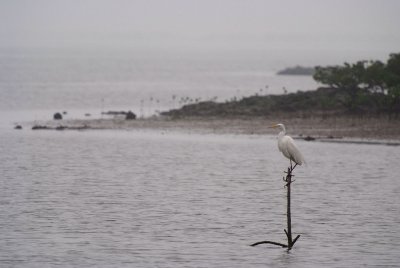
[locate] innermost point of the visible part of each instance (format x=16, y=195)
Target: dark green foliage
x=364, y=88
x=370, y=84
x=323, y=99
x=393, y=80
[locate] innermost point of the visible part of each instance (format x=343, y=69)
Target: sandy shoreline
x=334, y=127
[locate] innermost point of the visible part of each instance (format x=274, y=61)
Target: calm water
x=92, y=81
x=167, y=199
x=161, y=199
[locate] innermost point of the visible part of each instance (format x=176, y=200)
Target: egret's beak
x=274, y=126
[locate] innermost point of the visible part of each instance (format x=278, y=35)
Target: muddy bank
x=380, y=128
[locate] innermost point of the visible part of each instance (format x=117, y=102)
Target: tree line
x=367, y=85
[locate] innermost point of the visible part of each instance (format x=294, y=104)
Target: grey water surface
x=144, y=198
x=153, y=198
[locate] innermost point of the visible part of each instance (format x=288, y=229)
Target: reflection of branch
x=288, y=232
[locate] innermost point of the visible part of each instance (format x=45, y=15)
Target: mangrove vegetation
x=361, y=88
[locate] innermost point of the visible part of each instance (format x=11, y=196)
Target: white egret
x=287, y=146
x=289, y=149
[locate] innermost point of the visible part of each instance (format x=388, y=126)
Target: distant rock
x=36, y=127
x=57, y=116
x=309, y=138
x=61, y=128
x=297, y=70
x=114, y=113
x=18, y=127
x=130, y=116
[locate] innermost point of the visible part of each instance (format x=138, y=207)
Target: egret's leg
x=294, y=166
x=291, y=165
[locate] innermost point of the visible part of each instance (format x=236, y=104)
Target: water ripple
x=123, y=199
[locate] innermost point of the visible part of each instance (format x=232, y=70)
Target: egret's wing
x=293, y=151
x=283, y=145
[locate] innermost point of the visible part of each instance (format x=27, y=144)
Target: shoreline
x=310, y=128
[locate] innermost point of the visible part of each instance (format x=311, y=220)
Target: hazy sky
x=340, y=25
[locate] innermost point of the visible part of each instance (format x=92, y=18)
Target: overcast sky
x=365, y=25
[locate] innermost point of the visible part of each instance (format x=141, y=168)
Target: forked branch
x=269, y=242
x=288, y=232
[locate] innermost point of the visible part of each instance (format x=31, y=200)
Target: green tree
x=392, y=80
x=365, y=82
x=349, y=78
x=374, y=76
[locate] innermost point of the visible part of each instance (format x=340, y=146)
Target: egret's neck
x=283, y=132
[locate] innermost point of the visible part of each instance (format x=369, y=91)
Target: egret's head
x=281, y=126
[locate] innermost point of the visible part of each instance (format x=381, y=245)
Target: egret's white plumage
x=287, y=146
